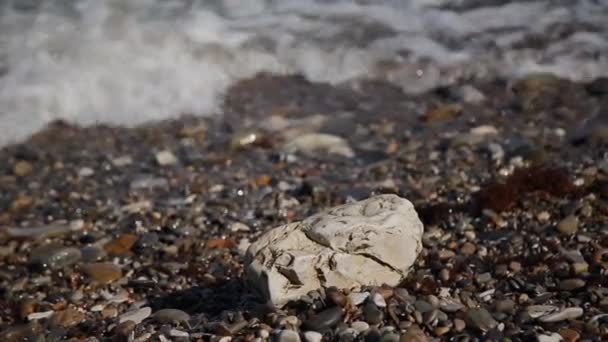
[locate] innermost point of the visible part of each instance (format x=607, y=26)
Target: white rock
x=554, y=337
x=379, y=300
x=39, y=315
x=318, y=142
x=357, y=298
x=313, y=336
x=371, y=242
x=165, y=158
x=137, y=315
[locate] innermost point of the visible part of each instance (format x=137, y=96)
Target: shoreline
x=115, y=220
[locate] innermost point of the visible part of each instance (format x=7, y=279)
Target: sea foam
x=130, y=62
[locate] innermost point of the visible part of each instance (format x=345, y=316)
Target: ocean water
x=127, y=62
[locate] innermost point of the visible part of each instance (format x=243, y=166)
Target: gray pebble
x=136, y=316
x=92, y=253
x=423, y=306
x=312, y=336
x=286, y=336
x=372, y=314
x=325, y=319
x=481, y=319
x=390, y=337
x=54, y=256
x=171, y=316
x=571, y=284
x=357, y=298
x=505, y=306
x=359, y=326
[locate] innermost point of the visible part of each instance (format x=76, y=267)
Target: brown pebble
x=262, y=180
x=570, y=335
x=571, y=284
x=445, y=254
x=414, y=334
x=103, y=272
x=443, y=113
x=109, y=312
x=22, y=202
x=125, y=328
x=26, y=307
x=386, y=292
x=66, y=318
x=459, y=324
x=336, y=297
x=121, y=245
x=440, y=331
x=468, y=248
x=23, y=168
x=515, y=266
x=568, y=226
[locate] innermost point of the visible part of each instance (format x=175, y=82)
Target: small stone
x=325, y=319
x=568, y=226
x=336, y=297
x=535, y=311
x=122, y=161
x=125, y=328
x=450, y=305
x=468, y=248
x=103, y=272
x=570, y=335
x=137, y=315
x=315, y=143
x=565, y=314
x=414, y=334
x=359, y=326
x=357, y=298
x=443, y=113
x=312, y=336
x=39, y=315
x=178, y=333
x=92, y=253
x=440, y=331
x=171, y=316
x=109, y=312
x=26, y=307
x=481, y=319
x=66, y=318
x=483, y=277
x=147, y=240
x=372, y=314
x=23, y=168
x=379, y=300
x=166, y=157
x=121, y=245
x=515, y=266
x=239, y=227
x=86, y=172
x=389, y=337
x=148, y=182
x=459, y=324
x=445, y=254
x=286, y=336
x=571, y=284
x=554, y=337
x=41, y=232
x=543, y=216
x=54, y=256
x=505, y=306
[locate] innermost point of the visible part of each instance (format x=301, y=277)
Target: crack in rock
x=370, y=242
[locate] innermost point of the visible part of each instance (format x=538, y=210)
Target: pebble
x=414, y=334
x=450, y=305
x=571, y=284
x=481, y=319
x=122, y=161
x=554, y=337
x=390, y=337
x=505, y=306
x=239, y=227
x=39, y=315
x=66, y=318
x=565, y=314
x=92, y=253
x=103, y=272
x=443, y=113
x=336, y=297
x=148, y=182
x=312, y=336
x=147, y=240
x=459, y=324
x=41, y=232
x=372, y=314
x=536, y=311
x=171, y=316
x=287, y=336
x=125, y=328
x=166, y=157
x=314, y=143
x=178, y=333
x=568, y=226
x=23, y=168
x=357, y=298
x=54, y=256
x=468, y=248
x=121, y=245
x=359, y=326
x=325, y=319
x=379, y=300
x=86, y=172
x=137, y=315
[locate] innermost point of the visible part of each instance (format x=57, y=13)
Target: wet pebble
x=568, y=226
x=286, y=336
x=171, y=316
x=102, y=272
x=571, y=284
x=324, y=320
x=66, y=318
x=54, y=256
x=481, y=319
x=372, y=314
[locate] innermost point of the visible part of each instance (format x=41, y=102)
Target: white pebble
x=312, y=336
x=39, y=315
x=86, y=172
x=178, y=333
x=379, y=300
x=166, y=158
x=357, y=298
x=137, y=316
